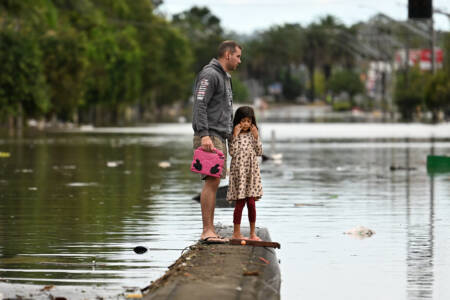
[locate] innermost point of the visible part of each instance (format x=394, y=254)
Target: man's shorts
x=219, y=144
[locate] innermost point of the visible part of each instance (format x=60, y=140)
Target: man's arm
x=204, y=91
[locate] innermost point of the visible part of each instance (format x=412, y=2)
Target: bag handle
x=213, y=150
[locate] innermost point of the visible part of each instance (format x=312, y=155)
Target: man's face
x=233, y=59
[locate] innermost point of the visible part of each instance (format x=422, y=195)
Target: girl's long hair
x=244, y=112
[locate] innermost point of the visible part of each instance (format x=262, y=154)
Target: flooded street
x=74, y=205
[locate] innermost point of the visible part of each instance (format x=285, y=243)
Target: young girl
x=245, y=179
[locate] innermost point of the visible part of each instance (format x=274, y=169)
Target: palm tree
x=324, y=48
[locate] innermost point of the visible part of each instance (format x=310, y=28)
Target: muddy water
x=73, y=206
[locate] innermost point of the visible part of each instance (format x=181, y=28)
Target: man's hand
x=207, y=144
x=237, y=130
x=254, y=131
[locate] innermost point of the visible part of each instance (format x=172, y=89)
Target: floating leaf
x=4, y=154
x=308, y=204
x=47, y=288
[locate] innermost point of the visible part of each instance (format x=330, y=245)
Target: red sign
x=425, y=55
x=421, y=57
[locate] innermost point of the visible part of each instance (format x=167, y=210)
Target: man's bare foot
x=254, y=237
x=212, y=236
x=208, y=233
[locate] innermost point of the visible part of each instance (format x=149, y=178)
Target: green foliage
x=89, y=58
x=409, y=92
x=175, y=78
x=292, y=85
x=203, y=31
x=319, y=46
x=346, y=81
x=22, y=84
x=342, y=105
x=447, y=53
x=65, y=66
x=114, y=78
x=240, y=91
x=273, y=51
x=437, y=93
x=325, y=46
x=319, y=84
x=62, y=58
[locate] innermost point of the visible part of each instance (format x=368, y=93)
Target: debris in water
x=113, y=164
x=87, y=127
x=401, y=168
x=133, y=296
x=140, y=249
x=133, y=293
x=277, y=156
x=81, y=184
x=264, y=260
x=360, y=232
x=69, y=167
x=308, y=204
x=251, y=273
x=47, y=288
x=164, y=164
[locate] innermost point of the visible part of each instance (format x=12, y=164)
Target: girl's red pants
x=237, y=216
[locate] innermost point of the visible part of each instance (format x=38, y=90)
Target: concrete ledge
x=221, y=271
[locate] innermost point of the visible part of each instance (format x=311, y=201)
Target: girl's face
x=246, y=123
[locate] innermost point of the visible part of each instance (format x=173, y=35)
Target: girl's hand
x=237, y=130
x=254, y=131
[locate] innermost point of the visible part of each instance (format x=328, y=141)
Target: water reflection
x=68, y=217
x=71, y=218
x=420, y=254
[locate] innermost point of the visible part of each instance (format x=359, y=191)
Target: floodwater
x=74, y=205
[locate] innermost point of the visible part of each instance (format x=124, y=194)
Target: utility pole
x=432, y=45
x=407, y=60
x=423, y=9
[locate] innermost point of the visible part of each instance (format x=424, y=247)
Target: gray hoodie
x=213, y=101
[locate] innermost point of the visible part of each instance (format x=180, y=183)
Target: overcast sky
x=246, y=16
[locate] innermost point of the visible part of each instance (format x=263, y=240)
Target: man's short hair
x=228, y=46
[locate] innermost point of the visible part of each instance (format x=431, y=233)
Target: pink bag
x=208, y=163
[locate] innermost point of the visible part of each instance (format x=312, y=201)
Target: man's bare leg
x=208, y=204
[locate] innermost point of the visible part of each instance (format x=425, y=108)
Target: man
x=212, y=123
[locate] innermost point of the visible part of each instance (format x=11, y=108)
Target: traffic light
x=420, y=9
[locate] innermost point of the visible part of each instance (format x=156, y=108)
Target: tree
x=240, y=91
x=273, y=52
x=23, y=90
x=409, y=94
x=292, y=85
x=346, y=81
x=65, y=68
x=325, y=47
x=437, y=94
x=175, y=79
x=203, y=31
